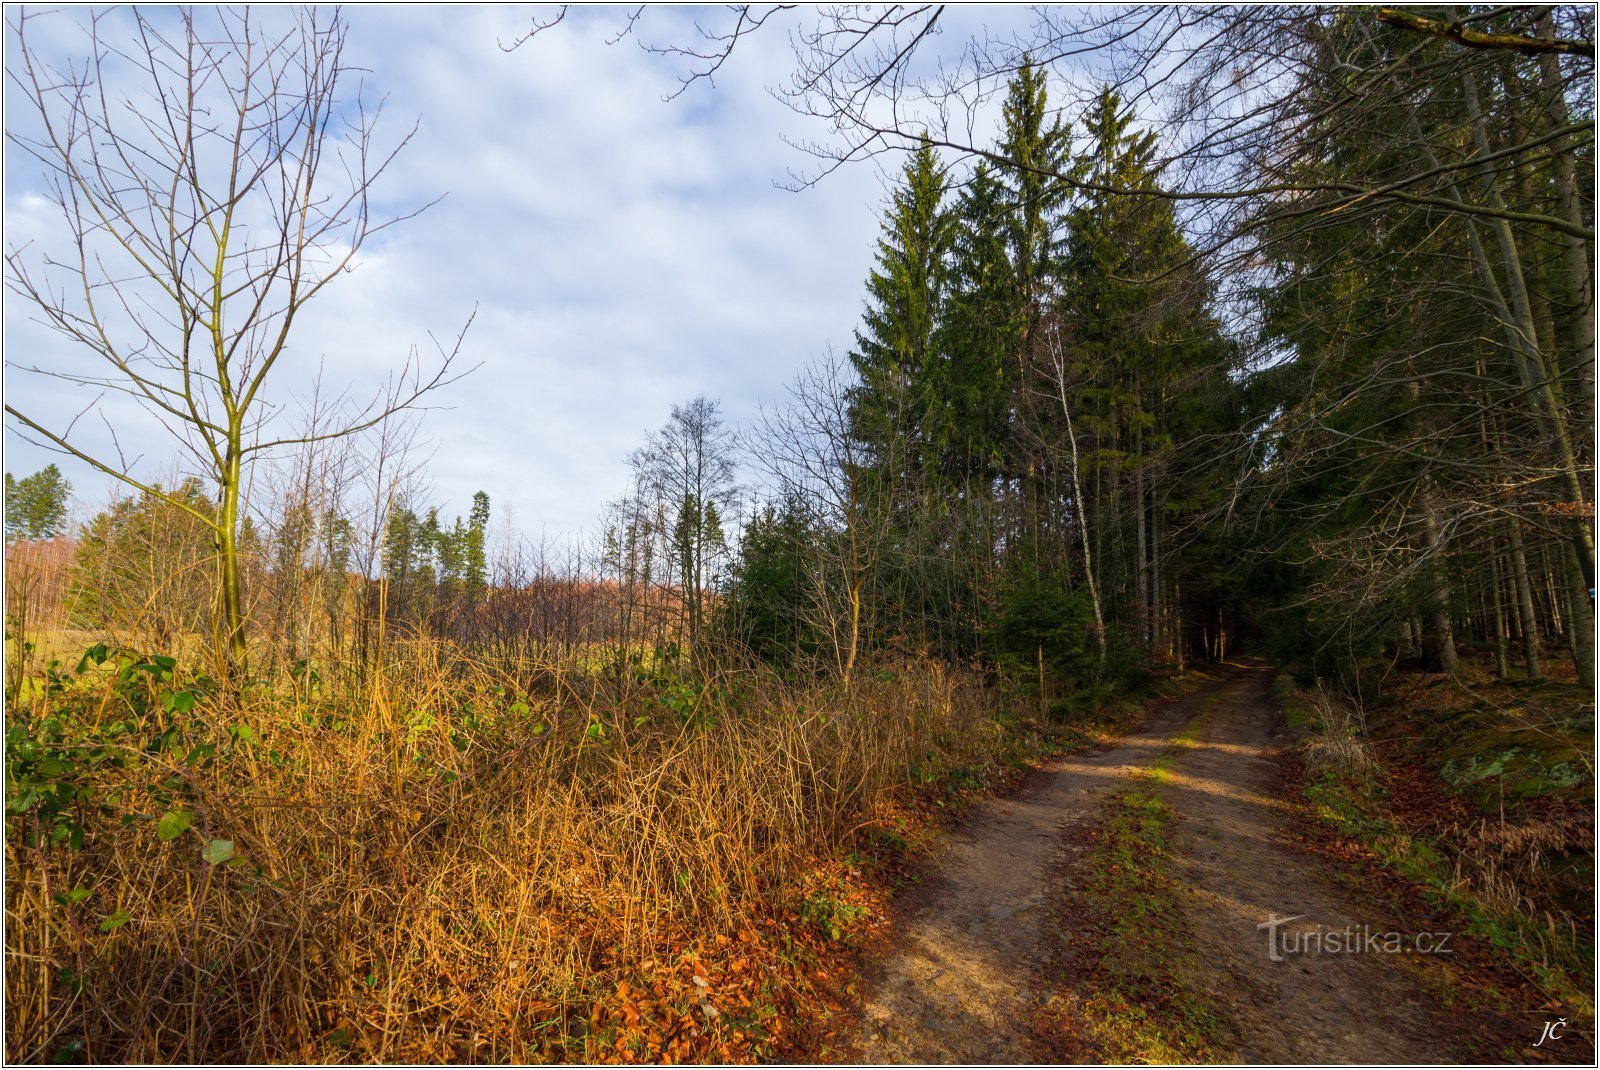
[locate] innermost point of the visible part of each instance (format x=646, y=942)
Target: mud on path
x=958, y=985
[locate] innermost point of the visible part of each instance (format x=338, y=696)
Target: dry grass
x=1336, y=744
x=438, y=863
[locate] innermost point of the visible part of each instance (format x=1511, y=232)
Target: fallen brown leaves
x=1413, y=803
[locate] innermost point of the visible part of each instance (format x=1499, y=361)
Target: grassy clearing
x=1127, y=937
x=1487, y=811
x=447, y=860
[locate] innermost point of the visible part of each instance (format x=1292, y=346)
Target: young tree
x=811, y=450
x=146, y=568
x=214, y=175
x=769, y=600
x=689, y=467
x=476, y=552
x=36, y=505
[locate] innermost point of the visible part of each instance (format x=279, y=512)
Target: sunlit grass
x=443, y=858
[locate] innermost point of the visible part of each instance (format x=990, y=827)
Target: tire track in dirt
x=956, y=988
x=958, y=985
x=1338, y=984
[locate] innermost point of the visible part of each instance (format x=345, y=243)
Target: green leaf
x=74, y=897
x=179, y=701
x=173, y=823
x=97, y=654
x=72, y=1050
x=114, y=922
x=218, y=851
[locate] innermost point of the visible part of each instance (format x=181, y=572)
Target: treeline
x=1081, y=433
x=321, y=586
x=1085, y=427
x=1011, y=465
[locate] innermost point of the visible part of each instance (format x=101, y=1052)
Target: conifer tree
x=896, y=349
x=36, y=505
x=477, y=554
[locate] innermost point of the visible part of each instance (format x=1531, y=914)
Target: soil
x=961, y=980
x=957, y=987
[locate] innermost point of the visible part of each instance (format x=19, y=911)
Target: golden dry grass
x=433, y=863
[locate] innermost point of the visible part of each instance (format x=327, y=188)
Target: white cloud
x=624, y=253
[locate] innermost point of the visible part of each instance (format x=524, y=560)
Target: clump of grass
x=1335, y=744
x=437, y=860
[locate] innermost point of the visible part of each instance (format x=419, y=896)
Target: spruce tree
x=896, y=352
x=36, y=505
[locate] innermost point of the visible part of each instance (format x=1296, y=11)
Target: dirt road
x=957, y=988
x=1338, y=983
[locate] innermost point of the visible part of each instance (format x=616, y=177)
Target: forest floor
x=1129, y=905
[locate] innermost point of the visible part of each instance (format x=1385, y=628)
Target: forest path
x=956, y=989
x=1340, y=983
x=960, y=984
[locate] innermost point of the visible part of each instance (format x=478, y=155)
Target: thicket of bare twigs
x=435, y=860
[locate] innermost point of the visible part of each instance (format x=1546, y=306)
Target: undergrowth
x=446, y=860
x=1500, y=855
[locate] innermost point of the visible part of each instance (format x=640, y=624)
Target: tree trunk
x=1141, y=548
x=1527, y=618
x=231, y=583
x=1580, y=286
x=855, y=632
x=1077, y=494
x=1580, y=618
x=1158, y=609
x=1557, y=625
x=1497, y=616
x=1440, y=650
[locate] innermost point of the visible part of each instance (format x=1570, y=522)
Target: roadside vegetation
x=439, y=862
x=1478, y=791
x=1121, y=985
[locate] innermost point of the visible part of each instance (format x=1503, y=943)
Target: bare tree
x=809, y=449
x=214, y=175
x=688, y=466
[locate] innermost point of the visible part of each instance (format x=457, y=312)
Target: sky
x=622, y=253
